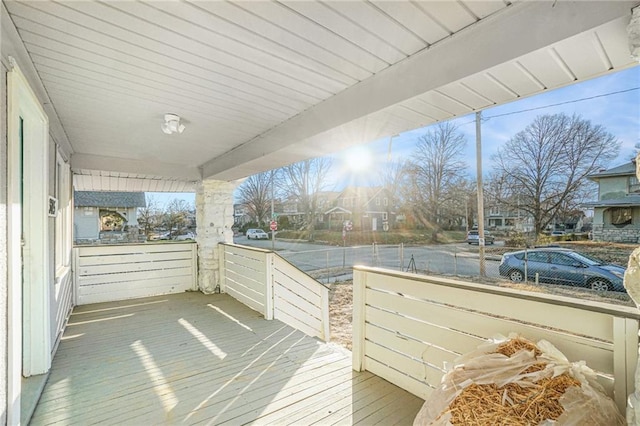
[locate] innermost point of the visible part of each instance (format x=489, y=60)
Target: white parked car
x=256, y=234
x=186, y=237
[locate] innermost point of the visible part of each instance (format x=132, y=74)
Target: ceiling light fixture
x=172, y=124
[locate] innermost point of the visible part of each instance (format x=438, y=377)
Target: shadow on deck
x=193, y=358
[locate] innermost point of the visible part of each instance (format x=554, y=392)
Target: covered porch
x=97, y=95
x=194, y=358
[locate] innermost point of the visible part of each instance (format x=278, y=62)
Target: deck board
x=191, y=358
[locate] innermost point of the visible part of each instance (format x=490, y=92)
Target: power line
x=487, y=118
x=563, y=103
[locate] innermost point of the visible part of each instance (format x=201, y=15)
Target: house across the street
x=368, y=208
x=107, y=217
x=616, y=213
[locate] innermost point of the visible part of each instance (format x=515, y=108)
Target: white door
x=28, y=258
x=374, y=224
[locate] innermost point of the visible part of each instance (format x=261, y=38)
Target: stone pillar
x=214, y=219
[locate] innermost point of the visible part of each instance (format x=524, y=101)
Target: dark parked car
x=473, y=237
x=562, y=266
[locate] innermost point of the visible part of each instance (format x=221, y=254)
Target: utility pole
x=483, y=271
x=273, y=232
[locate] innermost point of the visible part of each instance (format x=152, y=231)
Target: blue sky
x=618, y=113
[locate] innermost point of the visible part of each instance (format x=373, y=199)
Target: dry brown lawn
x=341, y=312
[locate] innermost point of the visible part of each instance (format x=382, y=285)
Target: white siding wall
x=3, y=244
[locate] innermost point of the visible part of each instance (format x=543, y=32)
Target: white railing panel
x=117, y=272
x=62, y=304
x=269, y=284
x=245, y=275
x=120, y=259
x=507, y=303
x=406, y=326
x=133, y=289
x=299, y=300
x=475, y=323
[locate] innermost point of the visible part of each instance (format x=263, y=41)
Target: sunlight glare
x=358, y=158
x=160, y=384
x=204, y=340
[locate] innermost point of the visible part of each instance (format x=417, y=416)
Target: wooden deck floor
x=191, y=358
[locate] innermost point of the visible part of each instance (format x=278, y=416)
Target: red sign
x=273, y=225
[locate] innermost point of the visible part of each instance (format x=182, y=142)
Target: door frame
x=29, y=333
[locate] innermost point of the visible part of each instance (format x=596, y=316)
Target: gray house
x=616, y=213
x=106, y=217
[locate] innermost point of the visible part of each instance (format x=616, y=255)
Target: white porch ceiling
x=261, y=84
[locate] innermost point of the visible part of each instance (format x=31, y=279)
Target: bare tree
x=544, y=167
x=393, y=176
x=175, y=216
x=434, y=170
x=149, y=217
x=302, y=181
x=460, y=204
x=256, y=193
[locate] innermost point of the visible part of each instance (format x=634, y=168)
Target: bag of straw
x=512, y=381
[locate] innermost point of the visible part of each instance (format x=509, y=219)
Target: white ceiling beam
x=139, y=167
x=522, y=28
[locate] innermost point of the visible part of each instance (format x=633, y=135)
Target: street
x=325, y=261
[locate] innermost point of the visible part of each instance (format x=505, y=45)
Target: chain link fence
x=552, y=265
x=335, y=263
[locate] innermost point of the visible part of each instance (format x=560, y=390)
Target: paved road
x=453, y=259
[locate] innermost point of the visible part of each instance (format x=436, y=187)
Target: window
x=385, y=201
x=385, y=216
x=494, y=211
x=621, y=216
x=495, y=222
x=62, y=228
x=538, y=257
x=634, y=185
x=562, y=259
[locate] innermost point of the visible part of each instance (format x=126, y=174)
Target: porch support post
x=632, y=285
x=214, y=218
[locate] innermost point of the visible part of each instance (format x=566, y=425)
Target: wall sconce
x=172, y=124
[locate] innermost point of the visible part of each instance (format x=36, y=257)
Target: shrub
x=517, y=239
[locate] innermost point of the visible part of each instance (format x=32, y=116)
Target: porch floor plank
x=191, y=358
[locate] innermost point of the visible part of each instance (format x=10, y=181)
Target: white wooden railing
x=267, y=283
x=405, y=327
x=115, y=272
x=243, y=275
